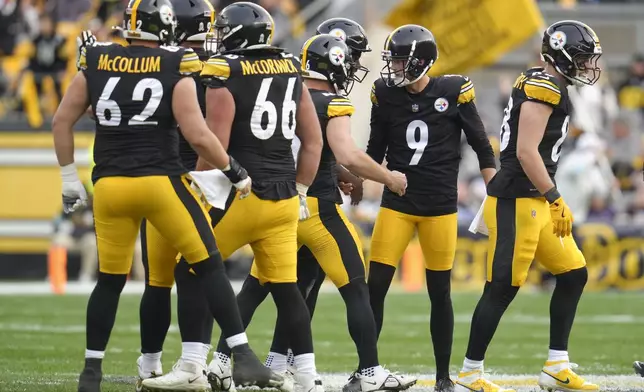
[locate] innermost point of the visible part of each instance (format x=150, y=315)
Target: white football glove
x=84, y=40
x=74, y=193
x=304, y=208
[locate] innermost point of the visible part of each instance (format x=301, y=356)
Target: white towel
x=214, y=185
x=478, y=224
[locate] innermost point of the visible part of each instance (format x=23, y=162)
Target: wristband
x=234, y=171
x=552, y=195
x=301, y=189
x=69, y=172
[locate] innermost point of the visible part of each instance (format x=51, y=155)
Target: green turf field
x=42, y=339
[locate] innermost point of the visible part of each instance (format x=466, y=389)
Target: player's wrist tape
x=301, y=189
x=234, y=171
x=552, y=195
x=69, y=172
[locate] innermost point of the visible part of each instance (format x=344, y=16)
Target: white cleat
x=144, y=374
x=185, y=376
x=220, y=374
x=306, y=382
x=475, y=381
x=289, y=380
x=383, y=380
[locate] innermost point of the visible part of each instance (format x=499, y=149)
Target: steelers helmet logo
x=339, y=33
x=557, y=40
x=166, y=15
x=336, y=55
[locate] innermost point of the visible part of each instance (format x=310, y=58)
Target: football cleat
x=444, y=385
x=248, y=370
x=185, y=376
x=354, y=383
x=639, y=367
x=220, y=374
x=144, y=375
x=558, y=376
x=306, y=382
x=381, y=379
x=475, y=381
x=91, y=376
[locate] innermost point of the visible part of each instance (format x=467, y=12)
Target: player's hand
x=74, y=193
x=561, y=218
x=244, y=187
x=85, y=39
x=346, y=188
x=304, y=207
x=358, y=191
x=397, y=182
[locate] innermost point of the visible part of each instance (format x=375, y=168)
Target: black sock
x=155, y=316
x=291, y=309
x=192, y=307
x=362, y=326
x=563, y=306
x=380, y=277
x=441, y=323
x=211, y=276
x=251, y=295
x=101, y=309
x=495, y=300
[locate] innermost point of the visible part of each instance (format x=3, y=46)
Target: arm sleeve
x=476, y=136
x=377, y=146
x=190, y=63
x=339, y=107
x=542, y=90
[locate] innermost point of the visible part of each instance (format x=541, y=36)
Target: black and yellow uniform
x=420, y=135
x=328, y=233
x=517, y=217
x=156, y=250
x=138, y=172
x=267, y=86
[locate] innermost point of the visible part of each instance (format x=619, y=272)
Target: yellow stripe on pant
x=333, y=241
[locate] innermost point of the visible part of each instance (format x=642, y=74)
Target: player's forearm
x=203, y=165
x=488, y=174
x=307, y=163
x=345, y=175
x=535, y=169
x=63, y=143
x=361, y=164
x=208, y=148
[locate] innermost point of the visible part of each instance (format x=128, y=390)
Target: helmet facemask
x=357, y=72
x=401, y=70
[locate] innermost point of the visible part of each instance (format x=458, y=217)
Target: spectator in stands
x=625, y=148
x=631, y=90
x=75, y=233
x=600, y=210
x=49, y=57
x=10, y=19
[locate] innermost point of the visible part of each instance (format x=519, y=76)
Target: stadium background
x=491, y=41
x=600, y=176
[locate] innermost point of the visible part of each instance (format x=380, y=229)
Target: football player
x=639, y=367
x=524, y=213
x=328, y=234
x=416, y=121
x=256, y=104
x=195, y=20
x=137, y=93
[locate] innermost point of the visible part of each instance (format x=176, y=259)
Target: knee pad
x=439, y=285
x=111, y=282
x=576, y=278
x=501, y=293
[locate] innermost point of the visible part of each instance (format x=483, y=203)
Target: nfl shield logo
x=414, y=108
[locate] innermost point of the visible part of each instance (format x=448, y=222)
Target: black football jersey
x=267, y=86
x=188, y=155
x=130, y=91
x=328, y=105
x=421, y=137
x=532, y=85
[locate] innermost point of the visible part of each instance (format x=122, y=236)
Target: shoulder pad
x=190, y=63
x=216, y=67
x=339, y=106
x=540, y=86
